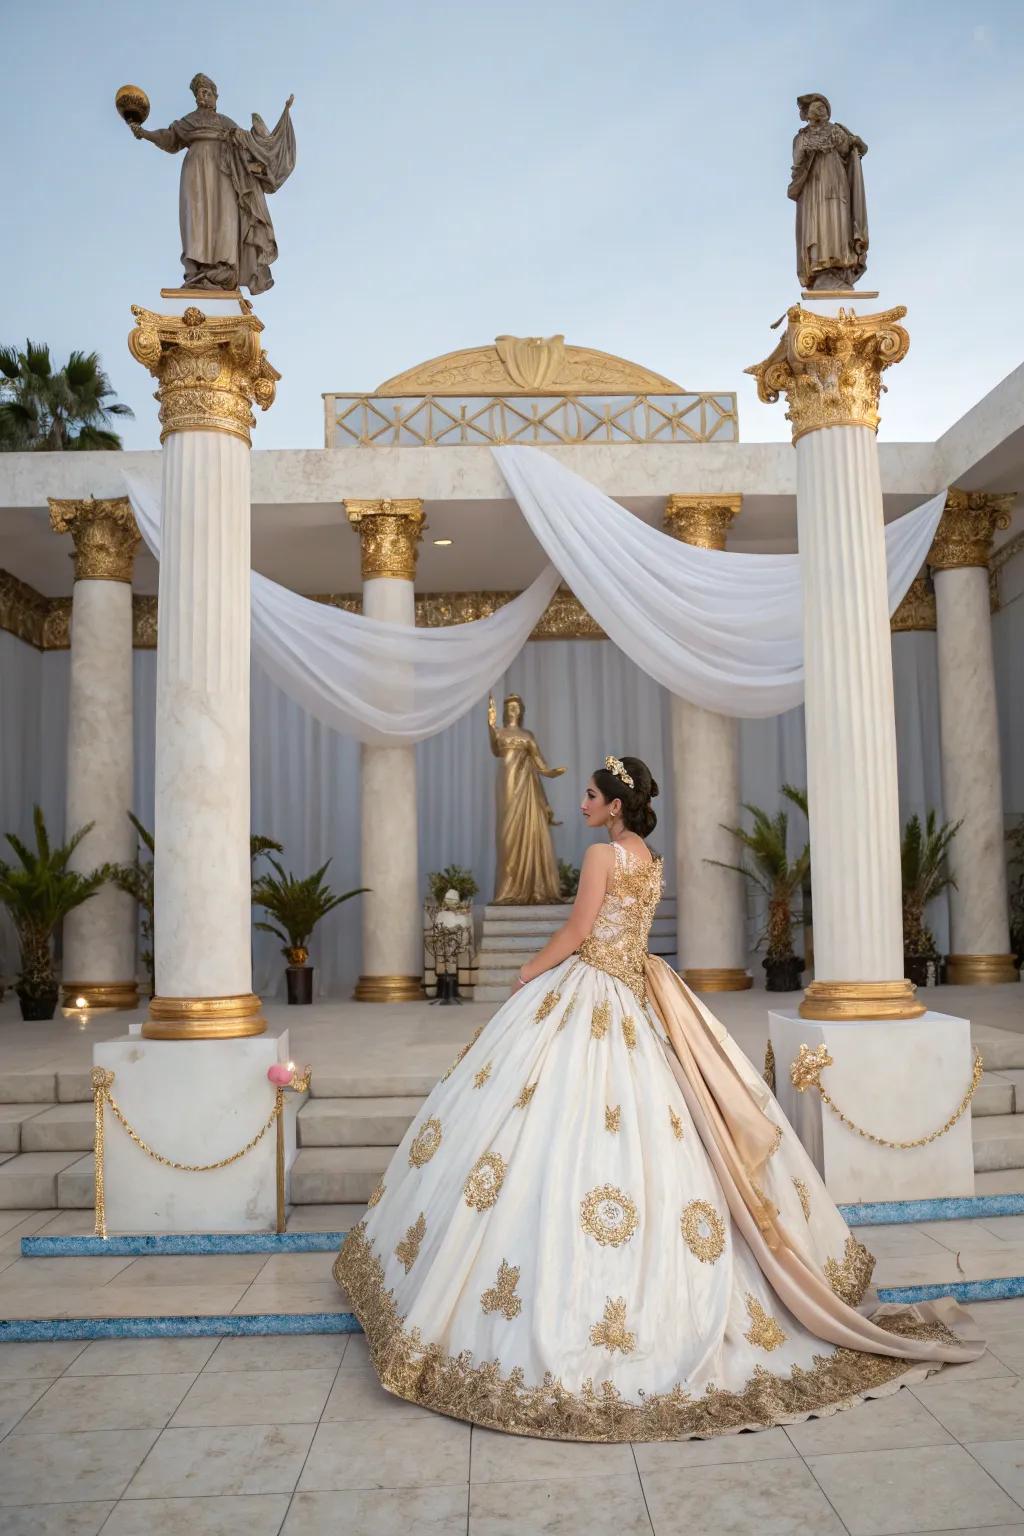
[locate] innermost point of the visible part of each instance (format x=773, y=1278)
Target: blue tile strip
x=180, y=1242
x=233, y=1325
x=963, y=1290
x=958, y=1208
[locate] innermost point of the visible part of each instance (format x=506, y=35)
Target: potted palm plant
x=781, y=880
x=39, y=892
x=1015, y=871
x=925, y=872
x=296, y=905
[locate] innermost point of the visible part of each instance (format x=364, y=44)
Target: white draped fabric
x=721, y=629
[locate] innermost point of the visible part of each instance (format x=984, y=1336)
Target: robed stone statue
x=227, y=238
x=827, y=185
x=527, y=867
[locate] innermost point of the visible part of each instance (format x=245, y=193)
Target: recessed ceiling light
x=443, y=543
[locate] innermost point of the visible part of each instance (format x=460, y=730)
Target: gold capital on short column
x=703, y=521
x=104, y=534
x=917, y=610
x=830, y=367
x=211, y=368
x=968, y=523
x=389, y=533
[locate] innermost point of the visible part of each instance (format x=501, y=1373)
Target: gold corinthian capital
x=211, y=369
x=703, y=521
x=104, y=534
x=389, y=532
x=969, y=520
x=830, y=367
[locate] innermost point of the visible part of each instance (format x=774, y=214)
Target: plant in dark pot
x=454, y=878
x=39, y=892
x=1015, y=874
x=780, y=879
x=924, y=865
x=296, y=905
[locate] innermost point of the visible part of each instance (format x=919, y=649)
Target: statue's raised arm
x=827, y=185
x=227, y=237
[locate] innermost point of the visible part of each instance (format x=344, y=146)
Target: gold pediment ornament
x=830, y=367
x=211, y=368
x=528, y=365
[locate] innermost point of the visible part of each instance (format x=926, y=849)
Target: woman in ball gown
x=600, y=1226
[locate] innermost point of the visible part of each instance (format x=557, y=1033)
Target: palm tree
x=43, y=408
x=923, y=862
x=773, y=872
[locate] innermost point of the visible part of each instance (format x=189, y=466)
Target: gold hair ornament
x=614, y=766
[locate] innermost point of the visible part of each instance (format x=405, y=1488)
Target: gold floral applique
x=549, y=1002
x=764, y=1332
x=850, y=1276
x=375, y=1197
x=482, y=1076
x=608, y=1215
x=776, y=1141
x=676, y=1124
x=501, y=1296
x=408, y=1249
x=526, y=1094
x=612, y=1117
x=611, y=1332
x=483, y=1186
x=466, y=1048
x=425, y=1142
x=703, y=1231
x=567, y=1015
x=629, y=1032
x=600, y=1019
x=805, y=1197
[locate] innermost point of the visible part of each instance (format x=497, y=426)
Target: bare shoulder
x=599, y=856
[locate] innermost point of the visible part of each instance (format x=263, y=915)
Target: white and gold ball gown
x=600, y=1225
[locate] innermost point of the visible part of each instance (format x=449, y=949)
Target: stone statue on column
x=527, y=867
x=227, y=237
x=827, y=185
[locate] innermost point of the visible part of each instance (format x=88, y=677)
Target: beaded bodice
x=617, y=943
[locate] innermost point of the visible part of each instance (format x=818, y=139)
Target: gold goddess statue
x=527, y=868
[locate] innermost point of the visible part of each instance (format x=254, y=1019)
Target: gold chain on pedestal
x=101, y=1081
x=806, y=1071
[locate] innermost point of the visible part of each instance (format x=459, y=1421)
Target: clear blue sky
x=613, y=171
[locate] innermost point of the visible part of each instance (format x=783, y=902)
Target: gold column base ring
x=861, y=1000
x=389, y=989
x=714, y=978
x=100, y=994
x=204, y=1018
x=980, y=970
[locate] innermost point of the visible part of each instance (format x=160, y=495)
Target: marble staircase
x=512, y=934
x=350, y=1126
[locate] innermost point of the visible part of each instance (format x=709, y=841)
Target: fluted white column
x=392, y=909
x=211, y=367
x=972, y=786
x=705, y=755
x=830, y=369
x=99, y=936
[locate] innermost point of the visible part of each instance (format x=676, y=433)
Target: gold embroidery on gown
x=703, y=1231
x=611, y=1332
x=764, y=1332
x=408, y=1249
x=850, y=1276
x=486, y=1177
x=617, y=944
x=501, y=1297
x=612, y=1117
x=426, y=1143
x=608, y=1215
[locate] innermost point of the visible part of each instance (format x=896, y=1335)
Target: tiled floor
x=255, y=1437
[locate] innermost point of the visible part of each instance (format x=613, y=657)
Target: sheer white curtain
x=721, y=629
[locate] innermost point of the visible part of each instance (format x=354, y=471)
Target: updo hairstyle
x=637, y=810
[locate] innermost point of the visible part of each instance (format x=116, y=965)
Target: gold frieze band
x=861, y=1000
x=980, y=970
x=104, y=533
x=211, y=369
x=830, y=367
x=389, y=989
x=702, y=521
x=389, y=533
x=204, y=1018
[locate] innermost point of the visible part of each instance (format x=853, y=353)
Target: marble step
x=356, y=1122
x=998, y=1142
x=556, y=912
x=60, y=1128
x=1002, y=1049
x=996, y=1095
x=336, y=1175
x=13, y=1120
x=534, y=937
x=31, y=1180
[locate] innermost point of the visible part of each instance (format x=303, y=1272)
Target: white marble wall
x=971, y=769
x=202, y=879
x=99, y=936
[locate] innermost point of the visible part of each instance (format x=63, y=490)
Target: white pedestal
x=195, y=1101
x=899, y=1078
